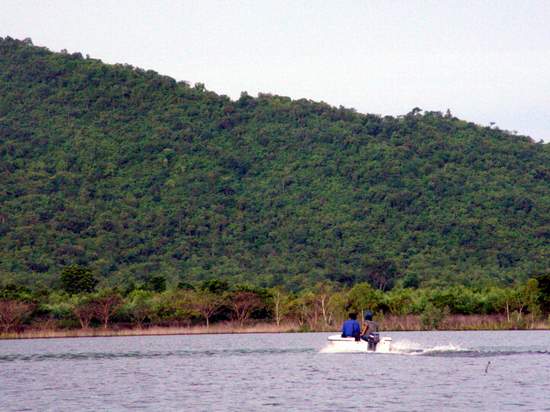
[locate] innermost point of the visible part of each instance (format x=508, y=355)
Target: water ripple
x=38, y=357
x=481, y=354
x=476, y=371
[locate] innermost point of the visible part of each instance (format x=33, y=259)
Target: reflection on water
x=425, y=371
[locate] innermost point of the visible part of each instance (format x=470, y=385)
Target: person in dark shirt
x=370, y=331
x=351, y=328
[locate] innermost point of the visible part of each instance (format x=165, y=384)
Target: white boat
x=336, y=343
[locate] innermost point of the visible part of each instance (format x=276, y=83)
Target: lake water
x=430, y=371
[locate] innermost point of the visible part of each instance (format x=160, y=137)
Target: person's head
x=368, y=315
x=353, y=316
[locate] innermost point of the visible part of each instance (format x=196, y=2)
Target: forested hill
x=136, y=175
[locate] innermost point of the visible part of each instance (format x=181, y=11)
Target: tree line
x=79, y=303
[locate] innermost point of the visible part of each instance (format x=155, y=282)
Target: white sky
x=488, y=61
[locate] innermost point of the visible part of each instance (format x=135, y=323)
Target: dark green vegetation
x=141, y=178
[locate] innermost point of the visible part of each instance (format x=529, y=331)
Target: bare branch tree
x=105, y=306
x=12, y=313
x=243, y=304
x=281, y=304
x=323, y=292
x=207, y=304
x=84, y=312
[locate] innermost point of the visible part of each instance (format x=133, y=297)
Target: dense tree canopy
x=76, y=279
x=135, y=176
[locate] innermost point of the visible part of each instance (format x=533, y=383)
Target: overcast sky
x=488, y=61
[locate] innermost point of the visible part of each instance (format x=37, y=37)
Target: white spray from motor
x=337, y=344
x=407, y=347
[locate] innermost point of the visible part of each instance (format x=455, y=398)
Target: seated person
x=351, y=328
x=370, y=331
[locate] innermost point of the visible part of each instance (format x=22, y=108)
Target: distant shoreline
x=151, y=331
x=408, y=323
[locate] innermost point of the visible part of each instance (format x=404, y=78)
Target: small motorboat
x=336, y=343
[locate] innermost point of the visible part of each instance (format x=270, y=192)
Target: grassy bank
x=463, y=322
x=388, y=323
x=40, y=333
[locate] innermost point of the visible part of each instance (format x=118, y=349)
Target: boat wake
x=411, y=348
x=405, y=347
x=331, y=349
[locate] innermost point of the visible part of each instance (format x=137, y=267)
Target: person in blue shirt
x=351, y=328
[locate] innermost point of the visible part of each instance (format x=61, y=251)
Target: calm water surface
x=431, y=371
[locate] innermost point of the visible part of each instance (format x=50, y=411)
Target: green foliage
x=139, y=306
x=58, y=306
x=139, y=177
x=497, y=300
x=399, y=301
x=156, y=284
x=280, y=302
x=77, y=279
x=172, y=308
x=185, y=286
x=15, y=292
x=411, y=281
x=364, y=297
x=457, y=299
x=215, y=286
x=207, y=303
x=322, y=307
x=432, y=316
x=530, y=294
x=83, y=308
x=544, y=292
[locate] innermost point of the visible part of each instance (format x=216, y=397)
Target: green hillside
x=136, y=175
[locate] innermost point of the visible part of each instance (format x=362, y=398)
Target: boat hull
x=337, y=343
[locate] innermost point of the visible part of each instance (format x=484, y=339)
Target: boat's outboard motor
x=373, y=336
